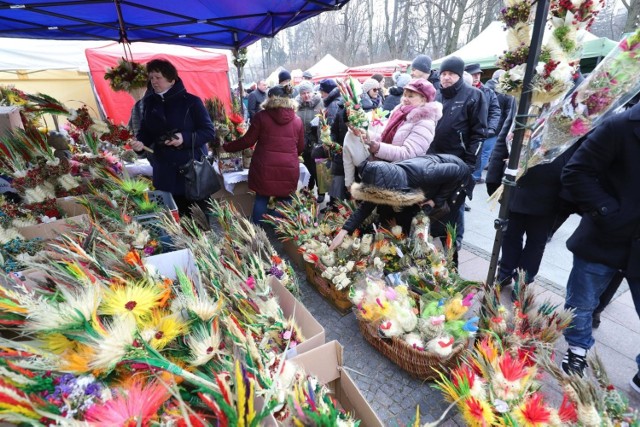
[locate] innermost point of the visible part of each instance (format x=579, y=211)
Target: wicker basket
x=339, y=299
x=419, y=364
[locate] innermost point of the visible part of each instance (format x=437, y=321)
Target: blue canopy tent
x=231, y=24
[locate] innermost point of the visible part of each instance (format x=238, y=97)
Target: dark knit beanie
x=453, y=64
x=284, y=75
x=422, y=63
x=327, y=85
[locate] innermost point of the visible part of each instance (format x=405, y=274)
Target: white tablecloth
x=139, y=167
x=232, y=178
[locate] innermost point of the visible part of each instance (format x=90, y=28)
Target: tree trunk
x=633, y=15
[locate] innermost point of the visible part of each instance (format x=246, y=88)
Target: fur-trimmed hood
x=428, y=111
x=279, y=102
x=385, y=196
x=282, y=110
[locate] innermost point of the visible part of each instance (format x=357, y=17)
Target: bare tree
x=633, y=15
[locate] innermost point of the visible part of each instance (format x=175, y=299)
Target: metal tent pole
x=522, y=123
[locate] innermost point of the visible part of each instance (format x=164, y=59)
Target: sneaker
x=574, y=363
x=635, y=383
x=595, y=320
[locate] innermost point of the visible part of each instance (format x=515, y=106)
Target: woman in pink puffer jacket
x=411, y=126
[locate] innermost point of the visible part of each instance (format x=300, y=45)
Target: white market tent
x=492, y=42
x=326, y=66
x=55, y=67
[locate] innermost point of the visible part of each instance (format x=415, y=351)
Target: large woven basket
x=339, y=299
x=420, y=364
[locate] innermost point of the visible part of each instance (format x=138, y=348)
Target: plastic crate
x=153, y=223
x=165, y=200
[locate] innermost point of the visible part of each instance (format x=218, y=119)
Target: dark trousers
x=184, y=205
x=438, y=227
x=527, y=256
x=310, y=163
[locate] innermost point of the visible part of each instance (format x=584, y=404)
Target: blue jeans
x=485, y=154
x=260, y=207
x=587, y=281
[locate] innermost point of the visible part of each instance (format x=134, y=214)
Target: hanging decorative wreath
x=127, y=76
x=240, y=57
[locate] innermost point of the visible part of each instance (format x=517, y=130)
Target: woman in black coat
x=534, y=206
x=176, y=126
x=434, y=183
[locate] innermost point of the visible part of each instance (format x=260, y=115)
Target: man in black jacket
x=534, y=206
x=256, y=98
x=493, y=120
x=463, y=125
x=434, y=183
x=602, y=179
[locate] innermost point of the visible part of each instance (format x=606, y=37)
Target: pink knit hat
x=423, y=87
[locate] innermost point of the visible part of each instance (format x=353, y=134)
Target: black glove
x=492, y=187
x=439, y=211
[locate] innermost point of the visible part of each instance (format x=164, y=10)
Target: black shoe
x=595, y=320
x=574, y=364
x=467, y=208
x=635, y=383
x=480, y=181
x=320, y=199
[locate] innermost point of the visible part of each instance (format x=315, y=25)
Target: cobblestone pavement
x=392, y=393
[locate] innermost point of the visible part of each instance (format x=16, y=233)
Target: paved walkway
x=393, y=394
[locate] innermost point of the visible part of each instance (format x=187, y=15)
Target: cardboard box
x=312, y=330
x=241, y=198
x=53, y=229
x=70, y=206
x=325, y=362
x=291, y=249
x=9, y=120
x=167, y=263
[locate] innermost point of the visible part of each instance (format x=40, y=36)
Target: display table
x=236, y=189
x=232, y=178
x=139, y=167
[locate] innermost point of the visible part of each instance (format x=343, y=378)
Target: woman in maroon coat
x=278, y=135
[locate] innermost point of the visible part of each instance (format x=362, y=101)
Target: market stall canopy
x=327, y=65
x=363, y=72
x=220, y=23
x=203, y=71
x=491, y=43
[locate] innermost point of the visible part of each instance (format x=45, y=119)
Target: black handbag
x=200, y=178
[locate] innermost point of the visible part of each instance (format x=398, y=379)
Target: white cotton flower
x=141, y=239
x=69, y=182
x=516, y=73
x=23, y=222
x=563, y=72
x=47, y=219
x=396, y=230
x=53, y=162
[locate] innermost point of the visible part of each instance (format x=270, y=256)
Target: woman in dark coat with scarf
x=434, y=183
x=176, y=126
x=278, y=135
